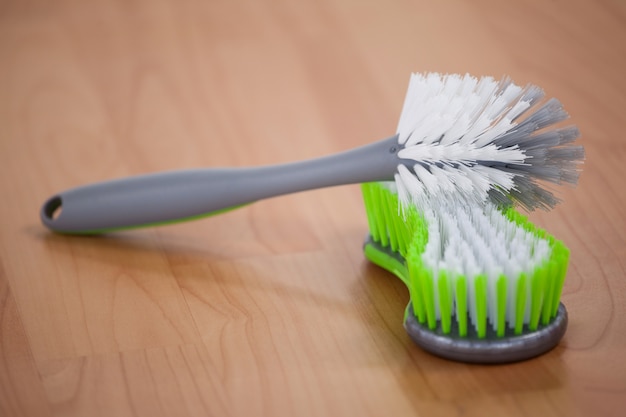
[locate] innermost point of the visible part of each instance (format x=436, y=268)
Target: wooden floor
x=271, y=310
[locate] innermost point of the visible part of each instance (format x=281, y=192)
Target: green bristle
x=416, y=274
x=520, y=303
x=376, y=207
x=501, y=304
x=415, y=292
x=440, y=297
x=480, y=286
x=550, y=283
x=537, y=290
x=398, y=228
x=380, y=199
x=367, y=190
x=391, y=221
x=445, y=301
x=406, y=231
x=387, y=225
x=423, y=279
x=559, y=262
x=461, y=304
x=414, y=262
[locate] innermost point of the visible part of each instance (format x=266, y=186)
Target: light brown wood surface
x=271, y=310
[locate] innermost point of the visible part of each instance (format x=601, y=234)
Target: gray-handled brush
x=183, y=195
x=458, y=137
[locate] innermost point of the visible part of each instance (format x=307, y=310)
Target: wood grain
x=271, y=309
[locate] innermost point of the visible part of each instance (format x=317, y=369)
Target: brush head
x=450, y=341
x=479, y=139
x=484, y=283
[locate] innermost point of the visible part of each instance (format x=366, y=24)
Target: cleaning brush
x=440, y=197
x=484, y=283
x=459, y=137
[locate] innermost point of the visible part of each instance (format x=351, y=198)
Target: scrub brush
x=459, y=137
x=484, y=283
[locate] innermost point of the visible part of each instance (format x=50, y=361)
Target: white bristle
x=469, y=130
x=470, y=240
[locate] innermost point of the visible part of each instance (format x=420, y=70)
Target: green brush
x=484, y=283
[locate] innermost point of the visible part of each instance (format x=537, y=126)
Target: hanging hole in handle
x=53, y=208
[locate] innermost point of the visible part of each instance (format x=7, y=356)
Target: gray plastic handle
x=179, y=195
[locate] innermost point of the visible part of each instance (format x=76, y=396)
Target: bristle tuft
x=480, y=139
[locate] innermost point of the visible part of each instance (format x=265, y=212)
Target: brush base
x=491, y=349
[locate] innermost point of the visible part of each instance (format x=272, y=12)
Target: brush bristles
x=471, y=268
x=480, y=139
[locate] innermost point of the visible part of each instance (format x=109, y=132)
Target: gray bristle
x=565, y=153
x=542, y=172
x=532, y=94
x=549, y=113
x=568, y=134
x=499, y=198
x=550, y=156
x=536, y=154
x=531, y=196
x=556, y=165
x=546, y=139
x=517, y=136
